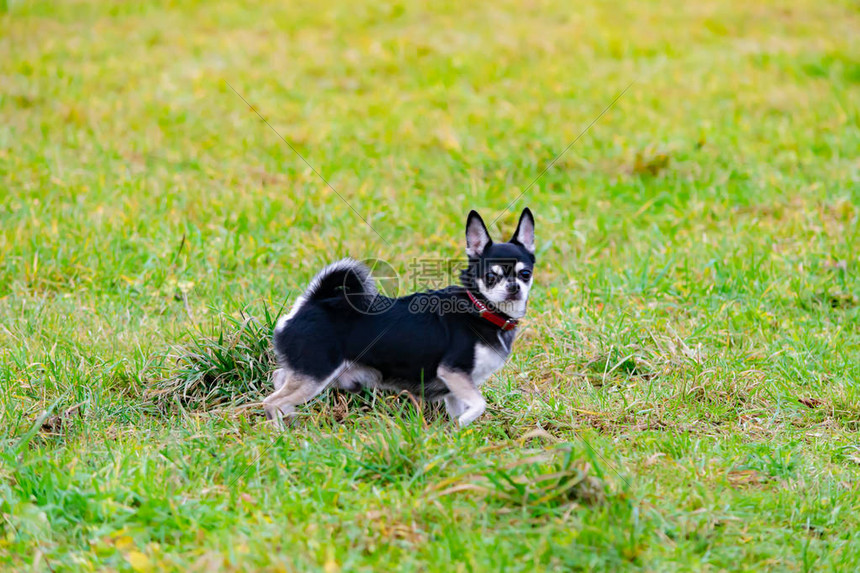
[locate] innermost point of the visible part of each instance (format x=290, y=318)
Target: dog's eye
x=525, y=274
x=491, y=278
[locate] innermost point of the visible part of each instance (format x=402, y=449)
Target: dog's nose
x=513, y=287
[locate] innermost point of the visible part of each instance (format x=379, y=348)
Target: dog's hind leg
x=293, y=389
x=279, y=376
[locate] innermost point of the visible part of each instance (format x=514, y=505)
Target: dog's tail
x=341, y=279
x=341, y=285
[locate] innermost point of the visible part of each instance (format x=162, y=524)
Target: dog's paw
x=472, y=413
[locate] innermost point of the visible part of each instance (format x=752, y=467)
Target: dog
x=439, y=345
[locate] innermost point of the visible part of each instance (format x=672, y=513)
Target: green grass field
x=684, y=394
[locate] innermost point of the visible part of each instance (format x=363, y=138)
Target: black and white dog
x=439, y=344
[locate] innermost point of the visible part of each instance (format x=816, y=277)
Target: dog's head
x=501, y=272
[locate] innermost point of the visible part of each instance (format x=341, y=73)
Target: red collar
x=499, y=320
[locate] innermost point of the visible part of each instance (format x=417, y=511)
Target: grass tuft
x=229, y=367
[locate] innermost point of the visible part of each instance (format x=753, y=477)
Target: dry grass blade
x=553, y=477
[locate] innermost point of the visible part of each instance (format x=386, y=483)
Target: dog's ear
x=525, y=233
x=477, y=237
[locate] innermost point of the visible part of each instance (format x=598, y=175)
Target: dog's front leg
x=467, y=401
x=454, y=406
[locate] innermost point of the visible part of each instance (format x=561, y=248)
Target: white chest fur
x=488, y=360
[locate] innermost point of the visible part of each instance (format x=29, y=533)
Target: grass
x=684, y=395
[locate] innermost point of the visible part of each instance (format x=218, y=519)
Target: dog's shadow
x=343, y=407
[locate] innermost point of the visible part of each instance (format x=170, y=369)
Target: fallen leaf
x=138, y=561
x=54, y=424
